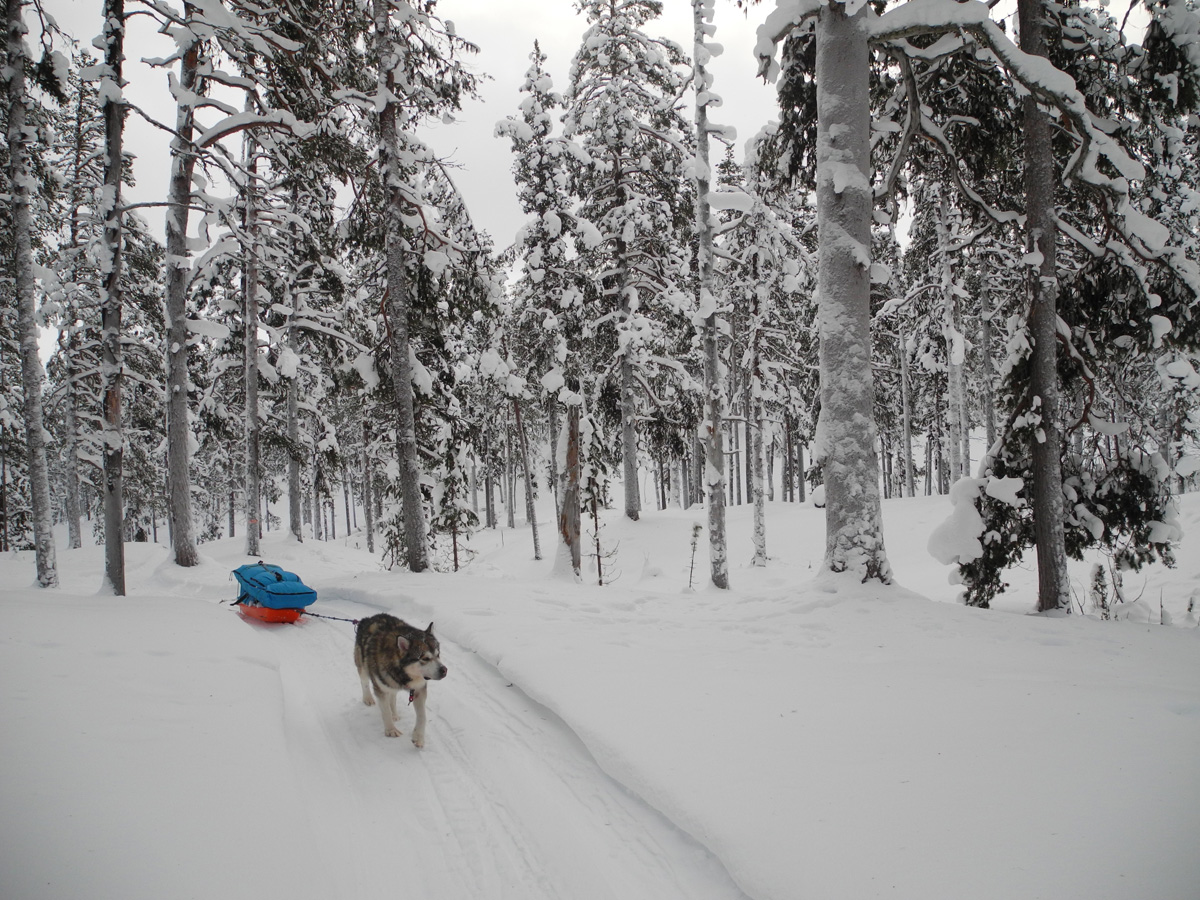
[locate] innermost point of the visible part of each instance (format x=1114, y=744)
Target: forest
x=965, y=222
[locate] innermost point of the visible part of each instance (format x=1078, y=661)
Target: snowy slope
x=795, y=737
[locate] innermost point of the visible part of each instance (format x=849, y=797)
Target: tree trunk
x=20, y=186
x=368, y=490
x=71, y=346
x=295, y=488
x=800, y=472
x=71, y=448
x=398, y=301
x=530, y=511
x=757, y=491
x=5, y=544
x=988, y=373
x=569, y=512
x=510, y=475
x=735, y=463
x=111, y=302
x=715, y=403
x=250, y=277
x=906, y=407
x=787, y=482
x=952, y=335
x=1041, y=226
x=770, y=462
x=318, y=517
x=853, y=519
x=178, y=272
x=629, y=455
x=552, y=415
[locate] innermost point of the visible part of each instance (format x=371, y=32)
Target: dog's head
x=424, y=653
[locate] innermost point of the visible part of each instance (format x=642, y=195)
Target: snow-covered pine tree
x=846, y=435
x=72, y=289
x=767, y=274
x=1099, y=164
x=228, y=30
x=547, y=299
x=623, y=112
x=420, y=75
x=1115, y=458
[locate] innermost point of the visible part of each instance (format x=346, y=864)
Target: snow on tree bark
x=20, y=180
x=179, y=433
x=112, y=300
x=714, y=382
x=250, y=281
x=846, y=430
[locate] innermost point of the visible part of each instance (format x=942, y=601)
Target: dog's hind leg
x=418, y=700
x=387, y=710
x=362, y=676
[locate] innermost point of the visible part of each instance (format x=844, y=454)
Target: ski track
x=503, y=802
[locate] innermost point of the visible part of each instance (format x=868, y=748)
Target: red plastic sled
x=267, y=614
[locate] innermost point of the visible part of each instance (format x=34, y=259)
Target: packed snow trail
x=504, y=801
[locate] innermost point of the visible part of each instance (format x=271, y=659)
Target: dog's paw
x=368, y=700
x=392, y=732
x=418, y=741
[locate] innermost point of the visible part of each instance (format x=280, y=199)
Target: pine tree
x=547, y=299
x=419, y=76
x=1099, y=164
x=623, y=113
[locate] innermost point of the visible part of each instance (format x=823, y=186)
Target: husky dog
x=393, y=656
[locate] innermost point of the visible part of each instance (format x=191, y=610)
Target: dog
x=393, y=656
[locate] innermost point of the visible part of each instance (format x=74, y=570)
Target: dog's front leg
x=387, y=710
x=418, y=700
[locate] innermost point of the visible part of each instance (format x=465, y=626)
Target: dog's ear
x=402, y=643
x=429, y=630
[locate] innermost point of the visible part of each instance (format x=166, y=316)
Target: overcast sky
x=505, y=31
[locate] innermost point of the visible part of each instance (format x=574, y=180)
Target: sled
x=267, y=614
x=271, y=594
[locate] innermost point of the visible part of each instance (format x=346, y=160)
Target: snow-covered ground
x=796, y=737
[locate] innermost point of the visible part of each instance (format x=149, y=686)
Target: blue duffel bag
x=271, y=586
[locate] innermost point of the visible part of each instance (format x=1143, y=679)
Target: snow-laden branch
x=230, y=125
x=1035, y=73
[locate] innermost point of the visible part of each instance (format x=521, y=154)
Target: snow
x=210, y=328
x=799, y=736
x=739, y=201
x=1005, y=490
x=436, y=261
x=1160, y=327
x=957, y=540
